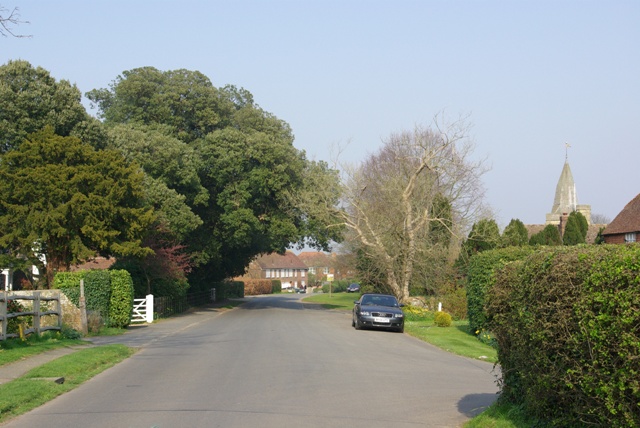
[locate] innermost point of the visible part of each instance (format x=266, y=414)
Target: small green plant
x=487, y=338
x=416, y=313
x=442, y=319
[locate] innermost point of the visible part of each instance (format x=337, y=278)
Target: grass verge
x=334, y=300
x=455, y=339
x=28, y=392
x=15, y=349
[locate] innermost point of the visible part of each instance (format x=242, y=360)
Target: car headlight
x=399, y=315
x=365, y=313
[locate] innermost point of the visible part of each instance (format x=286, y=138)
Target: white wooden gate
x=143, y=309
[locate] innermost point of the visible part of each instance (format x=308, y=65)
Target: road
x=275, y=362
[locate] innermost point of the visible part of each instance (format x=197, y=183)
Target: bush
x=566, y=323
x=121, y=299
x=416, y=313
x=481, y=276
x=276, y=285
x=254, y=287
x=442, y=319
x=336, y=286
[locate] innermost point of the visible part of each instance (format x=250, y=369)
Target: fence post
x=84, y=325
x=36, y=310
x=3, y=314
x=149, y=311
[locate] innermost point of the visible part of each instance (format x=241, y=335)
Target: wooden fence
x=35, y=312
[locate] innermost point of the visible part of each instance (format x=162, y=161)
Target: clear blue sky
x=532, y=75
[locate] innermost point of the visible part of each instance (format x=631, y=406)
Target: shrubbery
x=568, y=330
x=254, y=287
x=481, y=276
x=339, y=286
x=442, y=319
x=108, y=293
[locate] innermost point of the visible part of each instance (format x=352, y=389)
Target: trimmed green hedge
x=121, y=302
x=567, y=324
x=481, y=277
x=110, y=292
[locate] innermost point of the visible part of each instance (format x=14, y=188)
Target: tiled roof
x=287, y=260
x=97, y=263
x=314, y=258
x=628, y=220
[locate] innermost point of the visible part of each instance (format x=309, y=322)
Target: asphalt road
x=274, y=362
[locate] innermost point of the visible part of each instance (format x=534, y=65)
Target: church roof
x=628, y=220
x=566, y=200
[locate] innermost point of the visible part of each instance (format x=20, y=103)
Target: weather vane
x=566, y=151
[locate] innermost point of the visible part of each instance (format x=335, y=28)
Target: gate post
x=149, y=311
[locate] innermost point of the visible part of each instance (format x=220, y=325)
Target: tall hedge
x=121, y=302
x=567, y=323
x=481, y=276
x=110, y=292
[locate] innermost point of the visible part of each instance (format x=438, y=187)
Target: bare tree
x=8, y=19
x=390, y=202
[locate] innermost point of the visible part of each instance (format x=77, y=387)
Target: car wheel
x=400, y=330
x=357, y=324
x=353, y=323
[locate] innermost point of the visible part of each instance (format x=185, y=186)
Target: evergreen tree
x=550, y=235
x=515, y=234
x=573, y=234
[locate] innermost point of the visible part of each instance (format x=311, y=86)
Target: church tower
x=566, y=199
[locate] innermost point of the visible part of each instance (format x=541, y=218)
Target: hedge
x=481, y=276
x=121, y=302
x=110, y=292
x=567, y=324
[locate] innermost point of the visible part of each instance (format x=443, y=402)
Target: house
x=626, y=226
x=287, y=267
x=319, y=265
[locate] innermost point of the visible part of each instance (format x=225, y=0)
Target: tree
x=248, y=175
x=515, y=234
x=550, y=235
x=31, y=99
x=394, y=198
x=64, y=200
x=9, y=18
x=575, y=230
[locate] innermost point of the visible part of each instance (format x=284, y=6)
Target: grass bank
x=36, y=387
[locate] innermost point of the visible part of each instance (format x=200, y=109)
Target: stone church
x=564, y=203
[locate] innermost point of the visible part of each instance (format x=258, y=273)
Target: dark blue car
x=378, y=311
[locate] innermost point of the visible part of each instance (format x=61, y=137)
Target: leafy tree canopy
x=30, y=99
x=234, y=164
x=67, y=201
x=515, y=234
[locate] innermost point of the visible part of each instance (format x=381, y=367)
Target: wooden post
x=36, y=312
x=84, y=329
x=3, y=314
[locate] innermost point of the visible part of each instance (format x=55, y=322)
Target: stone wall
x=70, y=312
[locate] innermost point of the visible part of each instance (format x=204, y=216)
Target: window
x=630, y=237
x=325, y=270
x=312, y=270
x=302, y=274
x=267, y=273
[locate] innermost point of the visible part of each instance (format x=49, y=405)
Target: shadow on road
x=473, y=404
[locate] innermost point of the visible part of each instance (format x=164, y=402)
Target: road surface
x=274, y=362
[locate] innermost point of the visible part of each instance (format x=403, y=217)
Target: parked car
x=353, y=288
x=378, y=311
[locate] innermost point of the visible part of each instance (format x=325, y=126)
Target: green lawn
x=15, y=349
x=35, y=388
